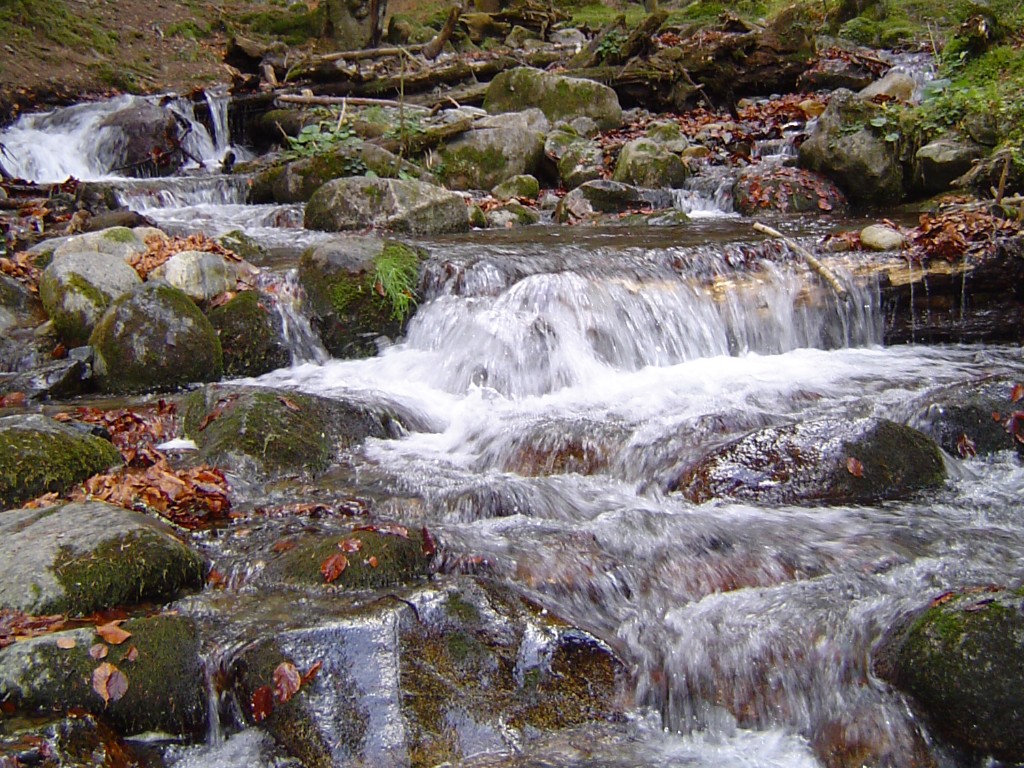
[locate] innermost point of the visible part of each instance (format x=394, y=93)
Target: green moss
x=251, y=346
x=125, y=571
x=34, y=462
x=294, y=26
x=120, y=235
x=396, y=271
x=74, y=328
x=459, y=608
x=398, y=560
x=470, y=167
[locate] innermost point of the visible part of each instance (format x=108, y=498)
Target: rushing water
x=560, y=379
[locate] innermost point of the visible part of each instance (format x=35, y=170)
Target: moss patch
x=467, y=166
x=247, y=337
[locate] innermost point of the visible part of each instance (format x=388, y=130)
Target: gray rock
x=56, y=379
x=879, y=237
x=559, y=97
x=84, y=557
x=597, y=197
x=495, y=150
x=512, y=214
x=115, y=241
x=413, y=207
x=202, y=275
x=578, y=159
x=669, y=136
x=524, y=186
x=895, y=85
x=40, y=455
x=969, y=418
x=939, y=163
x=154, y=338
x=646, y=163
x=78, y=286
x=141, y=139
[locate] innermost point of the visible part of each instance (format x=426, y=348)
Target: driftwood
x=433, y=49
x=824, y=272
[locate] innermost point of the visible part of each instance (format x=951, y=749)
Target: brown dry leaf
x=109, y=682
x=1017, y=393
x=14, y=399
x=966, y=447
x=854, y=467
x=99, y=651
x=350, y=546
x=66, y=643
x=312, y=672
x=287, y=681
x=262, y=703
x=371, y=561
x=284, y=545
x=113, y=633
x=289, y=404
x=333, y=567
x=132, y=654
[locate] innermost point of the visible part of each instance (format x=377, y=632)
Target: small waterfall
x=286, y=292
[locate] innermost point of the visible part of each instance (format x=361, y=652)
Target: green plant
x=319, y=138
x=611, y=44
x=395, y=278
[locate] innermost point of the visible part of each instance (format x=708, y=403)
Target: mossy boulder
x=762, y=188
x=960, y=662
x=495, y=150
x=154, y=338
x=826, y=461
x=260, y=432
x=202, y=275
x=166, y=686
x=854, y=152
x=401, y=205
x=968, y=418
x=251, y=341
x=245, y=246
x=579, y=159
x=511, y=214
x=115, y=241
x=601, y=196
x=523, y=186
x=78, y=286
x=359, y=289
x=646, y=163
x=557, y=96
x=39, y=455
x=89, y=556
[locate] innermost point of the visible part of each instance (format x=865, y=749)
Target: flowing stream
x=561, y=378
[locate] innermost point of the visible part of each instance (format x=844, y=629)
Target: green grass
x=20, y=20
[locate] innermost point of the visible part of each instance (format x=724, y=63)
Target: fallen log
x=824, y=272
x=310, y=100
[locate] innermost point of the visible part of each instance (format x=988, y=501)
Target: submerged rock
x=39, y=455
x=827, y=461
x=959, y=661
x=414, y=207
x=84, y=557
x=250, y=339
x=970, y=418
x=154, y=338
x=557, y=96
x=160, y=662
x=80, y=740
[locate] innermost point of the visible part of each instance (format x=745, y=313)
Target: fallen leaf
x=284, y=545
x=945, y=597
x=966, y=447
x=132, y=654
x=312, y=672
x=99, y=651
x=12, y=400
x=385, y=529
x=1017, y=393
x=109, y=682
x=287, y=681
x=289, y=404
x=66, y=643
x=113, y=633
x=350, y=545
x=855, y=467
x=333, y=567
x=262, y=703
x=429, y=545
x=371, y=561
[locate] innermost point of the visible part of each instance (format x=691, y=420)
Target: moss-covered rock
x=251, y=342
x=494, y=151
x=154, y=338
x=960, y=662
x=359, y=289
x=166, y=687
x=245, y=246
x=511, y=214
x=84, y=557
x=401, y=205
x=762, y=188
x=77, y=287
x=646, y=163
x=39, y=455
x=828, y=461
x=593, y=198
x=79, y=740
x=579, y=159
x=267, y=433
x=557, y=96
x=522, y=186
x=115, y=241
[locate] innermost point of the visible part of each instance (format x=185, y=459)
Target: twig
x=824, y=272
x=1002, y=181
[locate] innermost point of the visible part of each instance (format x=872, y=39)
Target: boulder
x=853, y=152
x=79, y=740
x=524, y=186
x=340, y=279
x=250, y=336
x=89, y=556
x=245, y=246
x=578, y=159
x=40, y=455
x=880, y=237
x=959, y=661
x=413, y=207
x=493, y=151
x=894, y=85
x=939, y=163
x=56, y=379
x=770, y=187
x=354, y=24
x=826, y=461
x=154, y=338
x=557, y=96
x=141, y=139
x=970, y=418
x=19, y=307
x=78, y=286
x=160, y=662
x=202, y=275
x=601, y=196
x=646, y=163
x=260, y=433
x=511, y=214
x=668, y=134
x=115, y=241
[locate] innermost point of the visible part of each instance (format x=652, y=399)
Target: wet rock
x=579, y=159
x=260, y=433
x=19, y=305
x=827, y=461
x=142, y=139
x=84, y=557
x=80, y=740
x=495, y=150
x=941, y=162
x=959, y=661
x=524, y=186
x=77, y=287
x=894, y=85
x=340, y=280
x=880, y=237
x=39, y=455
x=202, y=275
x=761, y=188
x=413, y=207
x=240, y=243
x=251, y=341
x=165, y=690
x=115, y=241
x=601, y=196
x=836, y=71
x=511, y=214
x=57, y=379
x=646, y=163
x=987, y=174
x=154, y=338
x=433, y=675
x=847, y=148
x=968, y=419
x=557, y=96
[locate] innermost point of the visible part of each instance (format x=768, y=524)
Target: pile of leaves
x=135, y=433
x=160, y=249
x=21, y=268
x=957, y=235
x=16, y=625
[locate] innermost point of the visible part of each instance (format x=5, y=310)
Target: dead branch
x=309, y=100
x=433, y=49
x=824, y=272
